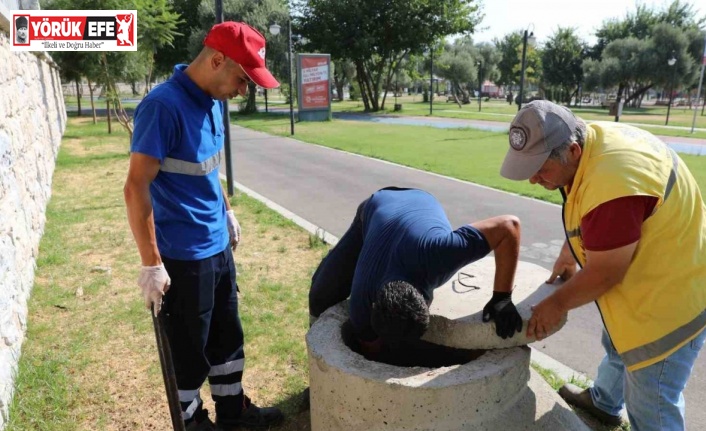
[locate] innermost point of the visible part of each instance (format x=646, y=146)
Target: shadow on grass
x=71, y=160
x=296, y=412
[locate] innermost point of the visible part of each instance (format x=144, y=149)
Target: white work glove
x=154, y=282
x=233, y=229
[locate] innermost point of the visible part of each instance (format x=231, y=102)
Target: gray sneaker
x=581, y=398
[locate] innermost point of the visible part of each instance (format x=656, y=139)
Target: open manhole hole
x=413, y=353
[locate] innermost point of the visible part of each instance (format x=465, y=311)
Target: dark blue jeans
x=205, y=334
x=333, y=278
x=653, y=395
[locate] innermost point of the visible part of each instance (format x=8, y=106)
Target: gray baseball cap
x=536, y=130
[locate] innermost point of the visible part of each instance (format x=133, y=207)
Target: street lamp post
x=274, y=29
x=528, y=36
x=671, y=62
x=480, y=83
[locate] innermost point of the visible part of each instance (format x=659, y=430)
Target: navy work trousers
x=205, y=334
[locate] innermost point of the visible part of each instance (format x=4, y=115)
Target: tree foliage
x=636, y=65
x=639, y=24
x=562, y=58
x=632, y=53
x=510, y=66
x=157, y=27
x=459, y=65
x=489, y=57
x=508, y=47
x=178, y=52
x=377, y=34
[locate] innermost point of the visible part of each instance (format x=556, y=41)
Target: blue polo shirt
x=407, y=237
x=182, y=126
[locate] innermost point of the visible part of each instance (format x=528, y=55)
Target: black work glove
x=501, y=309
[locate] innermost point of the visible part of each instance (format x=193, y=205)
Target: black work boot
x=253, y=417
x=201, y=422
x=581, y=398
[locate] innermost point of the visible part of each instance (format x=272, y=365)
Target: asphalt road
x=325, y=186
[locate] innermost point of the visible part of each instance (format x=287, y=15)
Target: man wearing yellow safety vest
x=636, y=224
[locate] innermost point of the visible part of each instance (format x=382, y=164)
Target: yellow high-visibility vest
x=660, y=305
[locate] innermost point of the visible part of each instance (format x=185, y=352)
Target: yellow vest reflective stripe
x=664, y=345
x=659, y=305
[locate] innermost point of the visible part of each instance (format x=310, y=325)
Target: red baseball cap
x=244, y=45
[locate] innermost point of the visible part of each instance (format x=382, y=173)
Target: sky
x=505, y=16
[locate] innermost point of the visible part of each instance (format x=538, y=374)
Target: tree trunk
x=78, y=96
x=149, y=75
x=638, y=93
x=93, y=104
x=250, y=105
x=362, y=85
x=112, y=93
x=617, y=102
x=455, y=91
x=369, y=90
x=339, y=83
x=107, y=109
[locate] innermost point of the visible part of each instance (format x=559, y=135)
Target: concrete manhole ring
x=349, y=392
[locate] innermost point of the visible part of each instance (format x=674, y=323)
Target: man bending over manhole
x=399, y=248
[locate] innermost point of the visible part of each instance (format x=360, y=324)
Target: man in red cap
x=184, y=227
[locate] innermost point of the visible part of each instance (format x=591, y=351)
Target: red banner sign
x=314, y=82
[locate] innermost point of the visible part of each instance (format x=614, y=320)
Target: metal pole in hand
x=165, y=360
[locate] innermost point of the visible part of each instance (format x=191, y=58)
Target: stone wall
x=32, y=121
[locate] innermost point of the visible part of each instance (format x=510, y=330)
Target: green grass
x=89, y=357
x=651, y=118
x=59, y=347
x=98, y=101
x=467, y=154
x=555, y=381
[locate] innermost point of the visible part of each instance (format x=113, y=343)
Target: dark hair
x=578, y=136
x=399, y=312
